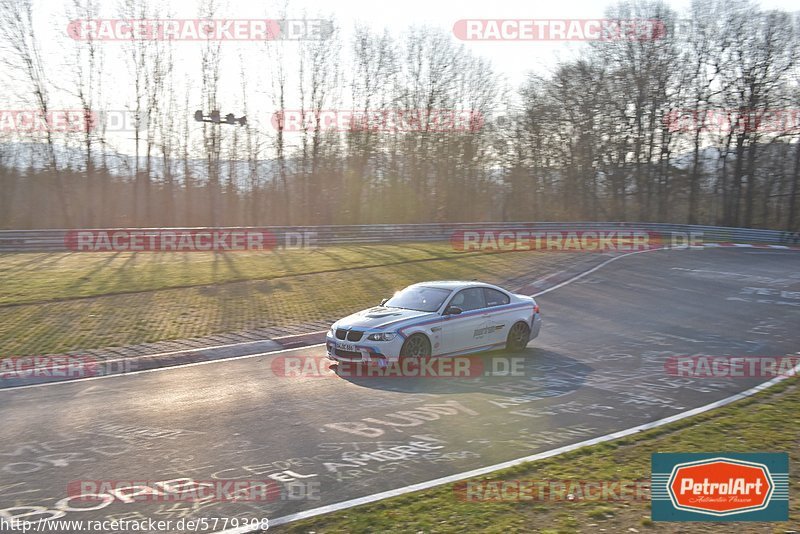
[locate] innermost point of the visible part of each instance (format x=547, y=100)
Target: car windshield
x=419, y=298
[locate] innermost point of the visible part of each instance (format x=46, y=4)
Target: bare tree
x=21, y=55
x=374, y=68
x=88, y=66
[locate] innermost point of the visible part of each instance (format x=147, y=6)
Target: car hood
x=380, y=317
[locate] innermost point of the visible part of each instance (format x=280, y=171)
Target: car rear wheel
x=518, y=337
x=417, y=346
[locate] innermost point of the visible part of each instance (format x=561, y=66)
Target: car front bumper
x=364, y=351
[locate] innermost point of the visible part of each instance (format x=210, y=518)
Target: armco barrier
x=55, y=240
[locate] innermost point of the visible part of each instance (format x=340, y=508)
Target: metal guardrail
x=57, y=240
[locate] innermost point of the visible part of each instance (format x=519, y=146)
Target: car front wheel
x=416, y=346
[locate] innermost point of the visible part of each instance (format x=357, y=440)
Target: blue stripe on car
x=494, y=309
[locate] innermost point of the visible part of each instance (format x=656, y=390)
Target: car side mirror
x=452, y=310
x=384, y=301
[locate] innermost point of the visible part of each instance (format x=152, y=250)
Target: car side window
x=469, y=299
x=495, y=297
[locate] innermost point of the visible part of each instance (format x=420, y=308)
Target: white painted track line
x=511, y=463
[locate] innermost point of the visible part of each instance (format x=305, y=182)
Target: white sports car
x=436, y=319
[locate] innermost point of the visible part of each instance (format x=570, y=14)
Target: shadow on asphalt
x=533, y=371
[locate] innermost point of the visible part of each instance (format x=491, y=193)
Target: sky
x=511, y=60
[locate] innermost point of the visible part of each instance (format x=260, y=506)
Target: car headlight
x=382, y=336
x=332, y=332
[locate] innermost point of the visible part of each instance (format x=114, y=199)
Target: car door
x=501, y=318
x=472, y=327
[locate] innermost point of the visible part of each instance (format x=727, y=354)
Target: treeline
x=681, y=128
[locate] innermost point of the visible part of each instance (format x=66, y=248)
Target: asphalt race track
x=598, y=367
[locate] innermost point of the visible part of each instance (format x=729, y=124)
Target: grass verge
x=289, y=288
x=766, y=422
x=46, y=277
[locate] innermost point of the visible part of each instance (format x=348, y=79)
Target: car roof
x=453, y=284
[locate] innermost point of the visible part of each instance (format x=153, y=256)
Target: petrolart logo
x=720, y=487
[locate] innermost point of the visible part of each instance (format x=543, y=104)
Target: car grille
x=348, y=354
x=354, y=335
x=350, y=335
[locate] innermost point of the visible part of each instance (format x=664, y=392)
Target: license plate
x=346, y=346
